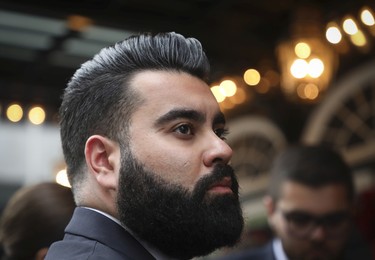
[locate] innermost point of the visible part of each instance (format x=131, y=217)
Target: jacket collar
x=96, y=226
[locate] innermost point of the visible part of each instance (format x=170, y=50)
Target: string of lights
x=305, y=64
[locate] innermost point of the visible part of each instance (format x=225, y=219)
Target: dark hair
x=313, y=166
x=98, y=99
x=34, y=218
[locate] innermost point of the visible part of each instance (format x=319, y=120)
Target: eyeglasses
x=301, y=224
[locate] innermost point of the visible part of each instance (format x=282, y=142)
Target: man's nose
x=318, y=233
x=217, y=151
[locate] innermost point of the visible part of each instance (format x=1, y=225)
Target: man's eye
x=185, y=129
x=299, y=219
x=335, y=219
x=221, y=132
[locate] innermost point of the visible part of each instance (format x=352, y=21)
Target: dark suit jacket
x=90, y=235
x=262, y=253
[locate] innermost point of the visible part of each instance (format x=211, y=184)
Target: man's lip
x=224, y=185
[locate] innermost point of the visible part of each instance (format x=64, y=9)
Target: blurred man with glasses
x=310, y=205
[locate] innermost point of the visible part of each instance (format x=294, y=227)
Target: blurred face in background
x=312, y=223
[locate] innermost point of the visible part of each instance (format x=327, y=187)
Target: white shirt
x=278, y=250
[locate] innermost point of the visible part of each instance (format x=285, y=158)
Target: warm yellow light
x=299, y=68
x=228, y=88
x=311, y=91
x=333, y=35
x=37, y=115
x=78, y=23
x=62, y=178
x=216, y=90
x=251, y=77
x=367, y=17
x=14, y=113
x=308, y=91
x=349, y=26
x=358, y=39
x=302, y=50
x=316, y=68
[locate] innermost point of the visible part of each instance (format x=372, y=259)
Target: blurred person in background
x=310, y=208
x=35, y=217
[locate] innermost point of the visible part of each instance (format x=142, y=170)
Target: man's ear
x=103, y=160
x=269, y=204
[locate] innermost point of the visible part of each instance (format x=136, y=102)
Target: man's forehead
x=168, y=91
x=324, y=198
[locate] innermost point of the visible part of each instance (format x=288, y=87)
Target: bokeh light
x=308, y=91
x=316, y=68
x=216, y=90
x=228, y=88
x=333, y=34
x=299, y=68
x=251, y=77
x=367, y=17
x=302, y=50
x=358, y=39
x=349, y=26
x=37, y=115
x=14, y=113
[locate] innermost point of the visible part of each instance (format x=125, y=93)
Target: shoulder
x=91, y=235
x=79, y=248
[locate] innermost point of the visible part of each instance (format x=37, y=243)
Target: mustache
x=218, y=173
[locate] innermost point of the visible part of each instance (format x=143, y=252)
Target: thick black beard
x=179, y=223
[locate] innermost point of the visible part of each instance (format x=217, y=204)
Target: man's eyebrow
x=180, y=113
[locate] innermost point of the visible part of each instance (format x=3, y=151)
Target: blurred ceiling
x=42, y=43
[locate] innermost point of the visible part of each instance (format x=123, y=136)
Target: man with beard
x=310, y=205
x=144, y=142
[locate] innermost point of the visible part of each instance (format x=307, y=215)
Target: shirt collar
x=278, y=250
x=152, y=250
